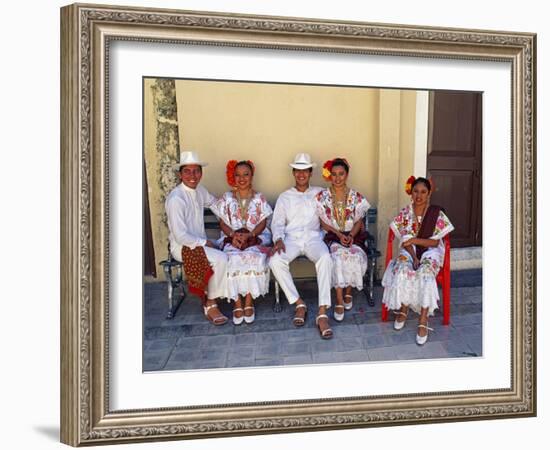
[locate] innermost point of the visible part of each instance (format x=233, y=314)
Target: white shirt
x=295, y=216
x=185, y=211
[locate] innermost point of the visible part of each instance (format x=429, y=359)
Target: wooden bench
x=173, y=270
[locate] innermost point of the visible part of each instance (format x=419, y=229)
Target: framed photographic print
x=142, y=89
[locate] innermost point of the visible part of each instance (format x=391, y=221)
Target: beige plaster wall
x=270, y=123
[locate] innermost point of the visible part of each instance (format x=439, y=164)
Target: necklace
x=339, y=208
x=243, y=205
x=419, y=219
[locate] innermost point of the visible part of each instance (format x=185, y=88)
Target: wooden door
x=454, y=161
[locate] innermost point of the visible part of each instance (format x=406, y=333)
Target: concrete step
x=466, y=258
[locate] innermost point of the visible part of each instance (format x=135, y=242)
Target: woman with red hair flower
x=243, y=217
x=342, y=211
x=409, y=281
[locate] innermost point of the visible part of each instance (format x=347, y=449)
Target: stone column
x=161, y=150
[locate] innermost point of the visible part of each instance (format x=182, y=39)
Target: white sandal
x=218, y=320
x=238, y=320
x=299, y=321
x=250, y=319
x=421, y=340
x=326, y=333
x=339, y=316
x=348, y=305
x=399, y=325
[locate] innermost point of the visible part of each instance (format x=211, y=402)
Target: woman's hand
x=236, y=242
x=409, y=243
x=346, y=241
x=239, y=239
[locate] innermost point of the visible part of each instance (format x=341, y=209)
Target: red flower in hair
x=230, y=172
x=408, y=184
x=327, y=168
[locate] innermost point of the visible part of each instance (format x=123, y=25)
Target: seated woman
x=243, y=215
x=342, y=211
x=409, y=280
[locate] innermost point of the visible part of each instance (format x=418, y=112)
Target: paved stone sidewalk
x=188, y=341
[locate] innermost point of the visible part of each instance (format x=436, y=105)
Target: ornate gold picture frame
x=87, y=34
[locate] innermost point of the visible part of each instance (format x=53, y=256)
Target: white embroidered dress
x=247, y=270
x=402, y=284
x=349, y=264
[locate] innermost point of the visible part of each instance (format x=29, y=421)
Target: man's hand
x=278, y=247
x=209, y=244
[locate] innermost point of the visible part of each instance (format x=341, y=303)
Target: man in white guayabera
x=204, y=265
x=296, y=231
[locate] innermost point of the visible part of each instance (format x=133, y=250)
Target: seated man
x=204, y=265
x=296, y=231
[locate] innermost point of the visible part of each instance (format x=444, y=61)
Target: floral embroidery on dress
x=227, y=209
x=356, y=208
x=405, y=226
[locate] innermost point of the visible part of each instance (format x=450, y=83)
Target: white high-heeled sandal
x=348, y=305
x=399, y=325
x=327, y=332
x=250, y=319
x=421, y=340
x=238, y=320
x=339, y=316
x=218, y=320
x=300, y=321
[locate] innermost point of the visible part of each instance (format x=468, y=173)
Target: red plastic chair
x=443, y=278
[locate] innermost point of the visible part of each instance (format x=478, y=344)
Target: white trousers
x=316, y=251
x=217, y=284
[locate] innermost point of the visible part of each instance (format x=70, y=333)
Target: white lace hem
x=348, y=267
x=247, y=273
x=256, y=284
x=416, y=289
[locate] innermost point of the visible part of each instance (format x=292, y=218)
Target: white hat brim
x=302, y=166
x=198, y=163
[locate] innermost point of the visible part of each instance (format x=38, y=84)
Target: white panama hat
x=188, y=158
x=302, y=161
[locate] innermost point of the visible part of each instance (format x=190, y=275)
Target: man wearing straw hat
x=204, y=265
x=297, y=231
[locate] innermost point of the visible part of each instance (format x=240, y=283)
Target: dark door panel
x=454, y=161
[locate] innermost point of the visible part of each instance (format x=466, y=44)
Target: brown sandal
x=326, y=332
x=218, y=319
